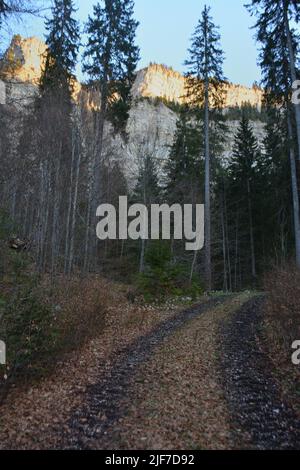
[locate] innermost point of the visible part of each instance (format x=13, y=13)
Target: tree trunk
x=142, y=256
x=193, y=266
x=225, y=279
x=56, y=204
x=90, y=184
x=73, y=213
x=252, y=246
x=67, y=241
x=227, y=241
x=292, y=64
x=236, y=260
x=294, y=192
x=207, y=216
x=97, y=169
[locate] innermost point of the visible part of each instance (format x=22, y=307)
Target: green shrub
x=163, y=278
x=40, y=320
x=41, y=323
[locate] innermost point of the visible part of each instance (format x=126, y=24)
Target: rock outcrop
x=159, y=81
x=152, y=124
x=21, y=69
x=24, y=60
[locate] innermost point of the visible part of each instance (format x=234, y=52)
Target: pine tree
x=243, y=173
x=183, y=169
x=147, y=188
x=111, y=58
x=3, y=9
x=55, y=129
x=274, y=29
x=204, y=89
x=184, y=165
x=16, y=8
x=121, y=102
x=279, y=50
x=62, y=48
x=147, y=192
x=274, y=192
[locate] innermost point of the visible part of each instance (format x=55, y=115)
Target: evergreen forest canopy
x=58, y=164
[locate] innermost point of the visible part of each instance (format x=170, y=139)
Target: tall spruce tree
x=111, y=58
x=243, y=174
x=279, y=52
x=184, y=165
x=3, y=9
x=9, y=7
x=55, y=125
x=147, y=192
x=183, y=170
x=274, y=193
x=17, y=8
x=62, y=42
x=204, y=89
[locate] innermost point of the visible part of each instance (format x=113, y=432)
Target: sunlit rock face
x=159, y=81
x=237, y=95
x=21, y=69
x=24, y=59
x=152, y=124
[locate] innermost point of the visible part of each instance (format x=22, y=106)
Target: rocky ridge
x=152, y=123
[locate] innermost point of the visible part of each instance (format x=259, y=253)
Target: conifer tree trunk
x=56, y=209
x=236, y=259
x=67, y=240
x=252, y=247
x=227, y=241
x=142, y=256
x=74, y=206
x=207, y=217
x=193, y=266
x=295, y=165
x=98, y=160
x=90, y=194
x=225, y=279
x=292, y=65
x=294, y=192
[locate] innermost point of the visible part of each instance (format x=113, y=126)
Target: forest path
x=198, y=381
x=192, y=379
x=261, y=417
x=97, y=423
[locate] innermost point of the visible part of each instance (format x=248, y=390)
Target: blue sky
x=166, y=27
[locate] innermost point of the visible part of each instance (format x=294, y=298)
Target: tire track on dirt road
x=254, y=399
x=107, y=401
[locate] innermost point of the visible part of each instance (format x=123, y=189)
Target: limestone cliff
x=151, y=125
x=24, y=60
x=163, y=82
